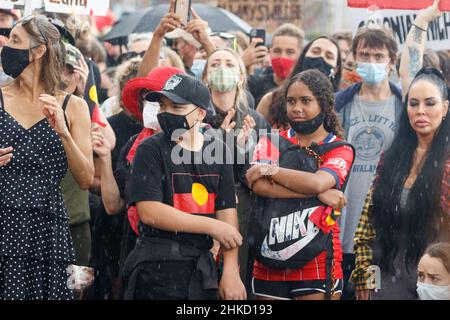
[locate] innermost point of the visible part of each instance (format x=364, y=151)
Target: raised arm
x=168, y=23
x=110, y=193
x=199, y=30
x=412, y=55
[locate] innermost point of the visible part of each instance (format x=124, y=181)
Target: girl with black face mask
x=310, y=111
x=321, y=54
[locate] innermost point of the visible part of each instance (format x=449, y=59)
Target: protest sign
x=97, y=8
x=400, y=21
x=399, y=4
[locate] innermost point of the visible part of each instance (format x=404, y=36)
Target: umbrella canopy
x=147, y=20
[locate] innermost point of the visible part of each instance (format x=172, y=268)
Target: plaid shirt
x=445, y=190
x=365, y=235
x=364, y=238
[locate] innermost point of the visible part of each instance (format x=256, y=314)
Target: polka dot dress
x=35, y=243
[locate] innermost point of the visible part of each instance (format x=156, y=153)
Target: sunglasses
x=129, y=55
x=27, y=19
x=223, y=35
x=431, y=71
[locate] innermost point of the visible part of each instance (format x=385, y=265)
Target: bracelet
x=425, y=30
x=270, y=171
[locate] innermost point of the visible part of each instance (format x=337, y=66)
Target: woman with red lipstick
x=403, y=213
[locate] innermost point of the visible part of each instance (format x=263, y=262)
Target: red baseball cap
x=154, y=81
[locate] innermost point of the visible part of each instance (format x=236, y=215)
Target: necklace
x=369, y=128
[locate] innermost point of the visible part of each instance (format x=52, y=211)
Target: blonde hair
x=290, y=30
x=174, y=59
x=126, y=71
x=241, y=102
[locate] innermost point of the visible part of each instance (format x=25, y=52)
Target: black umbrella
x=147, y=20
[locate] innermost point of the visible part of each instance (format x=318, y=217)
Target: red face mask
x=351, y=76
x=282, y=67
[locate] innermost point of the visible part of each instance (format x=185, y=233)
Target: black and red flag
x=91, y=97
x=195, y=193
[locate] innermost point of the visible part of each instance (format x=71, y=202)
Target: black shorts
x=168, y=280
x=286, y=290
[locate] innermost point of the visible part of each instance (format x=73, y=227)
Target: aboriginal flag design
x=195, y=193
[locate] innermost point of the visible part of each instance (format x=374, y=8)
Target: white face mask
x=433, y=292
x=150, y=115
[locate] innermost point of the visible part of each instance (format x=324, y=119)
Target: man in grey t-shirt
x=370, y=112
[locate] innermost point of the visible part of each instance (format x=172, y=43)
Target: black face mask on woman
x=170, y=122
x=309, y=126
x=320, y=64
x=14, y=61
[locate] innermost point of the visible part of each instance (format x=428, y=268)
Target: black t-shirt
x=194, y=187
x=124, y=128
x=122, y=172
x=260, y=84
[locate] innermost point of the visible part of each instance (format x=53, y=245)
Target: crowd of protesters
x=219, y=168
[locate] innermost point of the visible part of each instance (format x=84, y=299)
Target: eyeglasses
x=129, y=55
x=27, y=19
x=226, y=36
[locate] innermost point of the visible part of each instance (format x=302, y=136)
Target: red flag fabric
x=90, y=95
x=399, y=4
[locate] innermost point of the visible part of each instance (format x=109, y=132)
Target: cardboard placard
x=400, y=21
x=9, y=4
x=97, y=8
x=265, y=14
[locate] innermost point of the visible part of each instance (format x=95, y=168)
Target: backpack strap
x=64, y=107
x=324, y=148
x=1, y=100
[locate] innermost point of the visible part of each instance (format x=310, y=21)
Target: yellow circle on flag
x=199, y=194
x=93, y=94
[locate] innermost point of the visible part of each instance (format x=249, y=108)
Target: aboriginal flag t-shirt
x=194, y=182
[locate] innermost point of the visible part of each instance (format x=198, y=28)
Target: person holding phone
x=287, y=44
x=188, y=40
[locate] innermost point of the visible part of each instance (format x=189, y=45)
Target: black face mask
x=14, y=61
x=307, y=127
x=170, y=122
x=319, y=64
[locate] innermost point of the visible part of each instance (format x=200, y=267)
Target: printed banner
x=86, y=7
x=400, y=21
x=9, y=4
x=399, y=4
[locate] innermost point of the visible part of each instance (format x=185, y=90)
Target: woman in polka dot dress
x=42, y=133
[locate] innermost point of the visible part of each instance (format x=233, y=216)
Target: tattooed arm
x=412, y=55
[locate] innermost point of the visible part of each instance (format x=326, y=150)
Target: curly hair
x=323, y=91
x=126, y=71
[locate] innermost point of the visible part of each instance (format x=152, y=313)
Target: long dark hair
x=424, y=213
x=322, y=90
x=53, y=61
x=277, y=110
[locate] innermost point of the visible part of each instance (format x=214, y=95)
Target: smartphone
x=183, y=9
x=259, y=34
